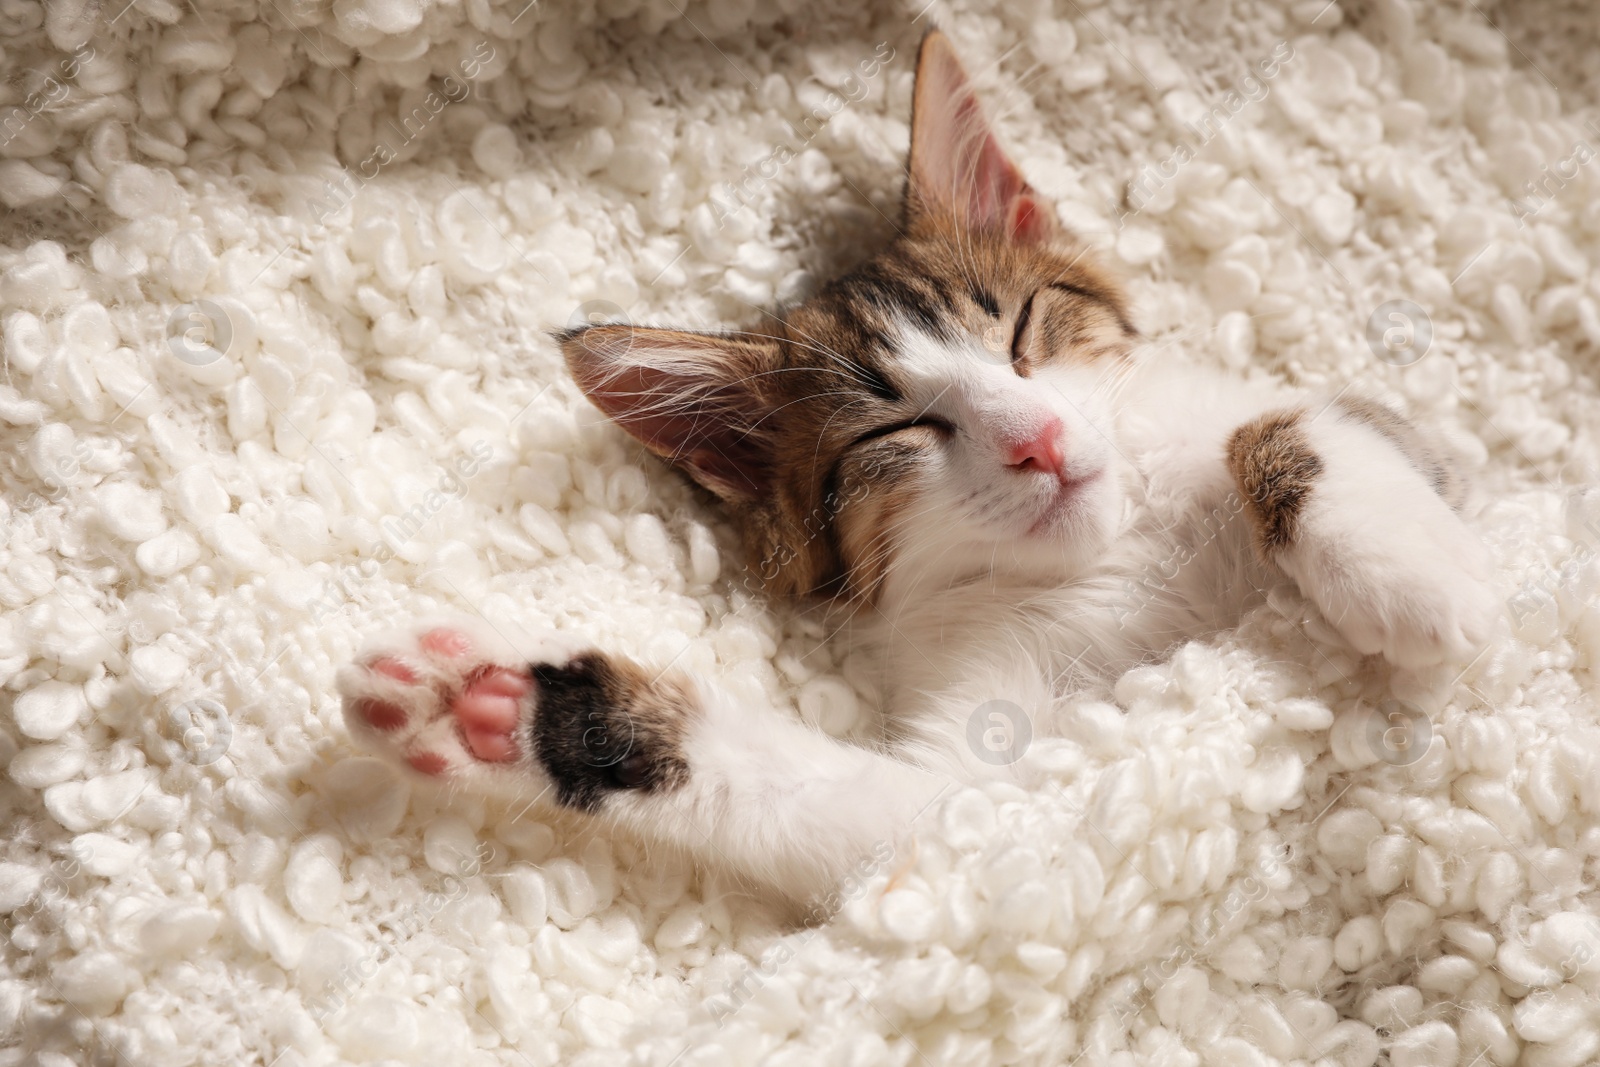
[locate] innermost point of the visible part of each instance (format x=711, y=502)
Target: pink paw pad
x=486, y=703
x=382, y=716
x=452, y=644
x=379, y=714
x=488, y=710
x=430, y=763
x=396, y=669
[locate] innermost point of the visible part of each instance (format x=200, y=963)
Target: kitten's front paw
x=1412, y=584
x=452, y=704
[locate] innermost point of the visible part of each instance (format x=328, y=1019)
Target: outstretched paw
x=453, y=704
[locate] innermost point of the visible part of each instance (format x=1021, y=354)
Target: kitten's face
x=942, y=411
x=969, y=427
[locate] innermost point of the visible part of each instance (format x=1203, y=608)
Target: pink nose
x=1039, y=451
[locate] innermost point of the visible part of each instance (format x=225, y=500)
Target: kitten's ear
x=693, y=399
x=958, y=172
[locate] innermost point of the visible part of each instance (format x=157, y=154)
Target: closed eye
x=928, y=421
x=1019, y=334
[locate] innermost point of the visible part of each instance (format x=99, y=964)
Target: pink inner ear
x=696, y=426
x=996, y=187
x=1029, y=221
x=957, y=165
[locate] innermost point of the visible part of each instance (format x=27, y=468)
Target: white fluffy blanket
x=275, y=284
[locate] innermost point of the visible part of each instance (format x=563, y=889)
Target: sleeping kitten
x=962, y=442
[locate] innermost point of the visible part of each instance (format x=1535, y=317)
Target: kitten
x=963, y=443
